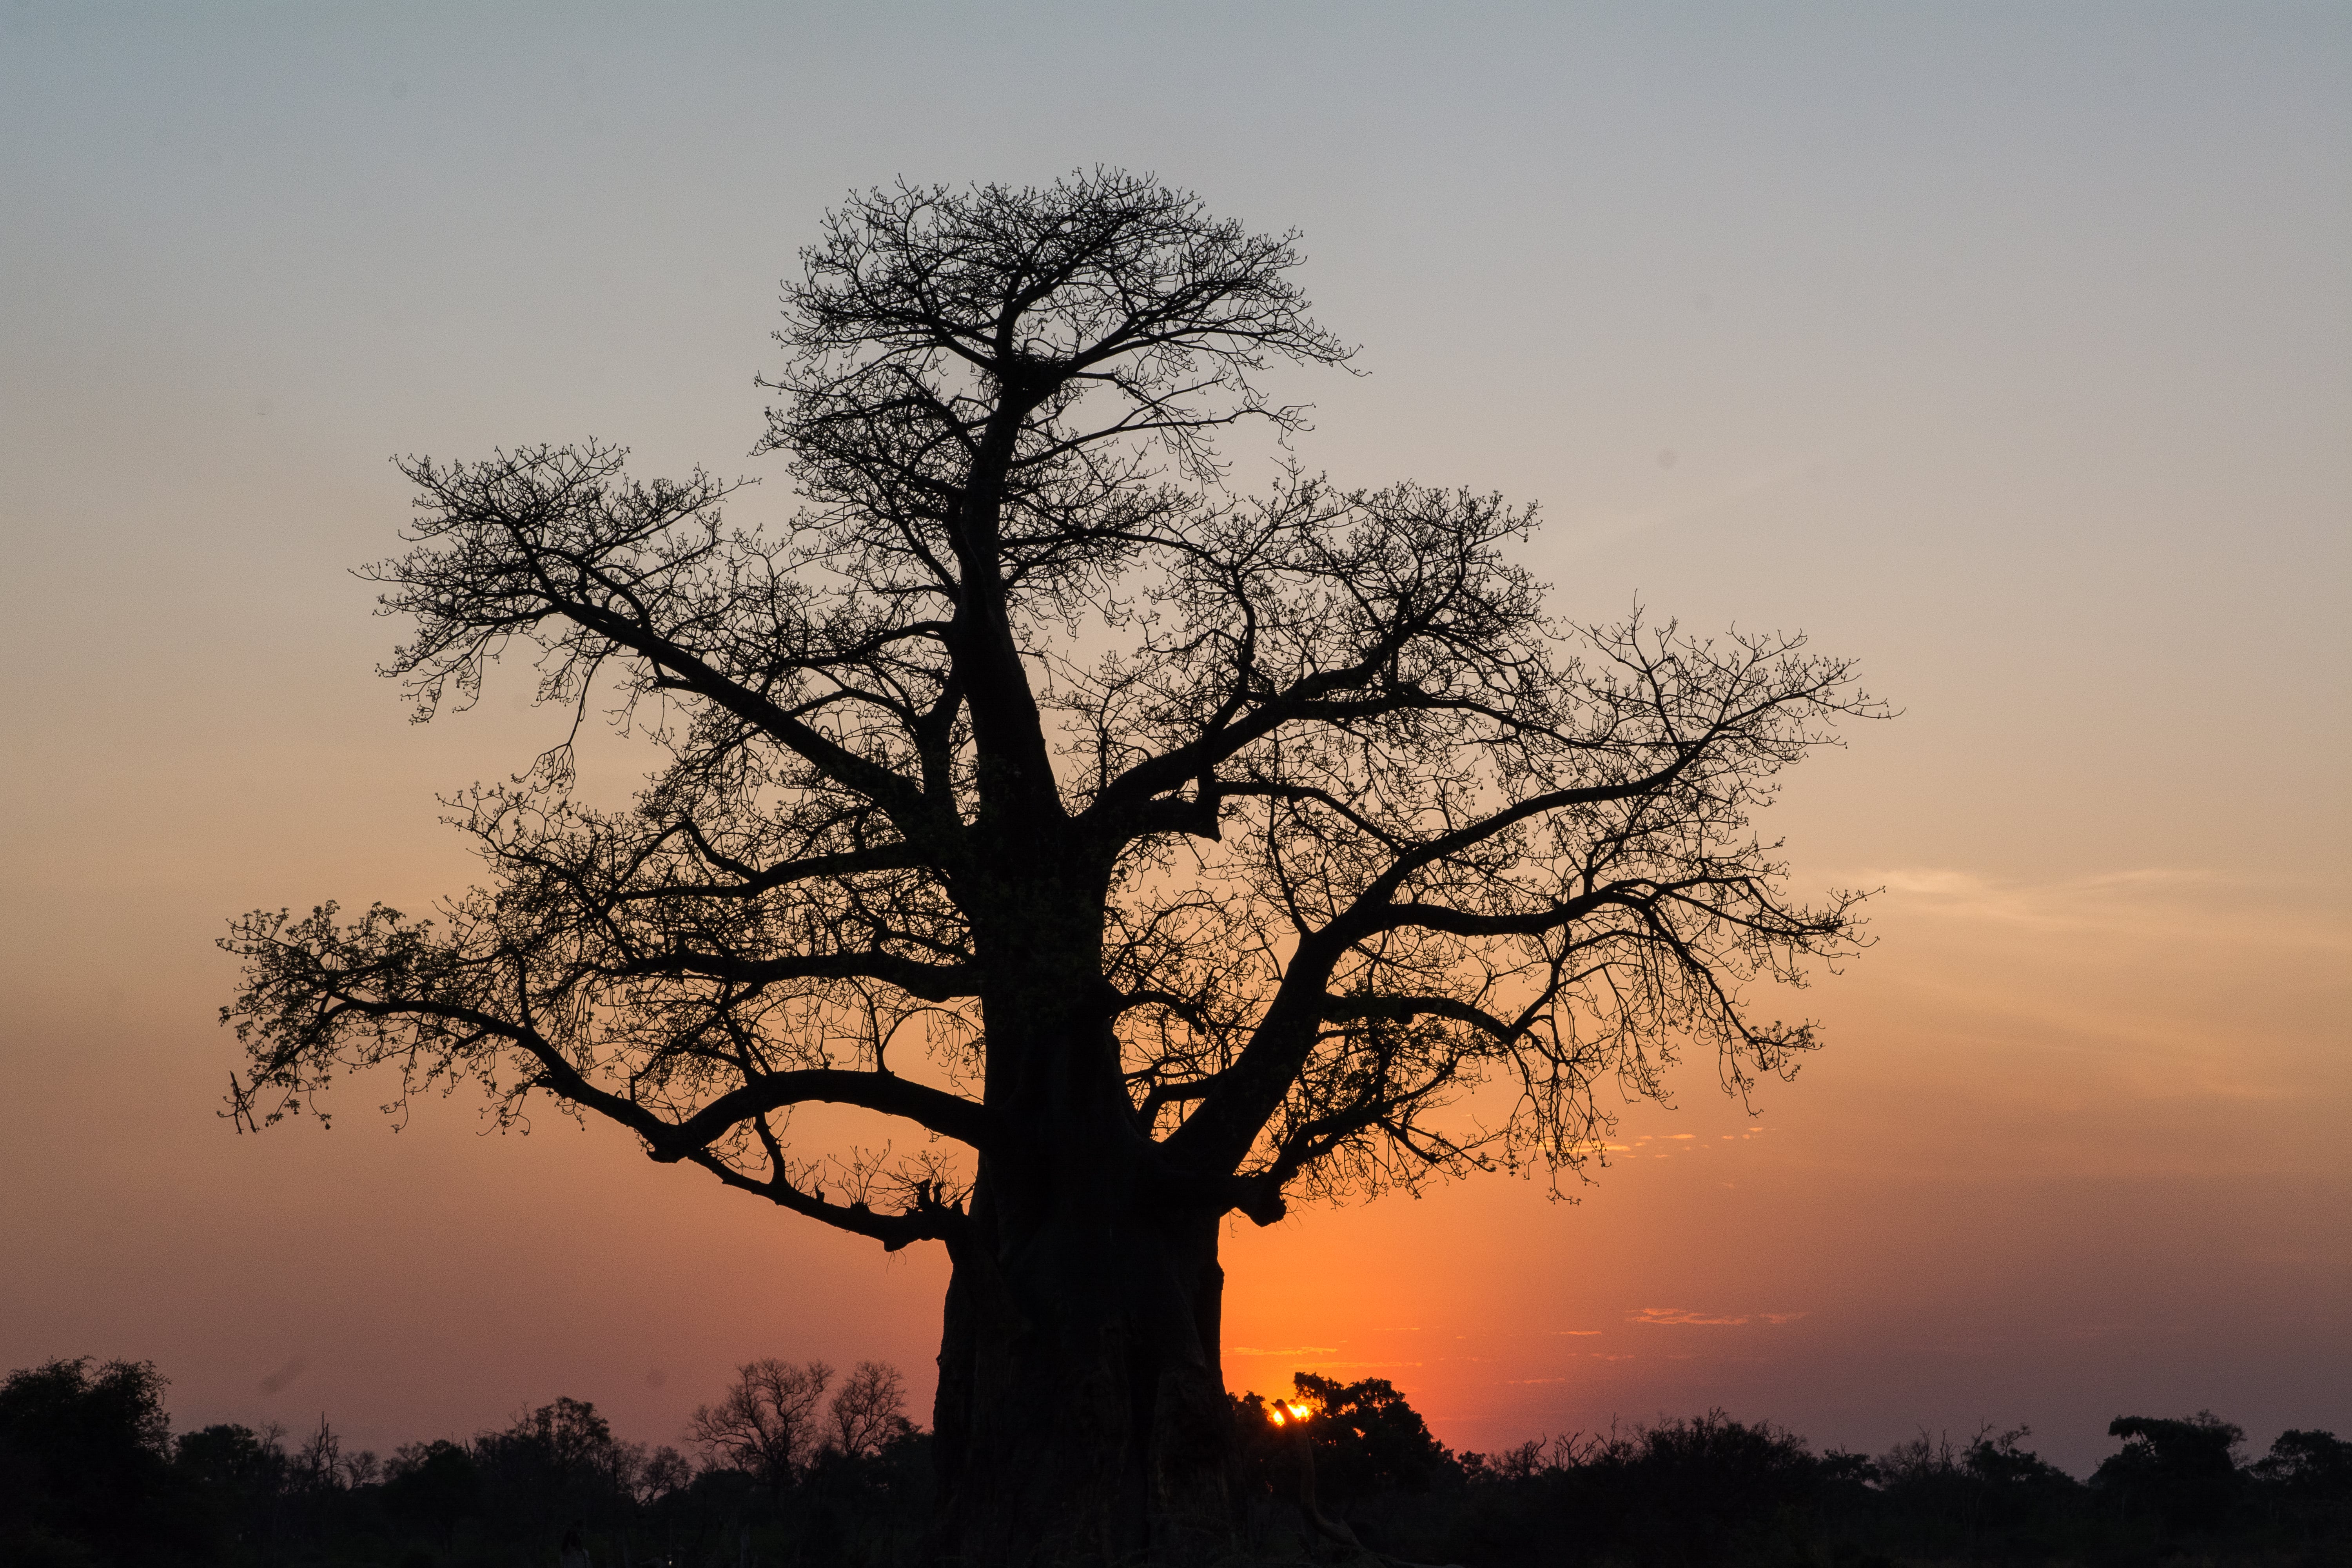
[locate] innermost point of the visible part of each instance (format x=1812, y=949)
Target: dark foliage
x=556, y=1469
x=1712, y=1491
x=1702, y=1490
x=431, y=1486
x=2305, y=1483
x=85, y=1473
x=93, y=1479
x=90, y=1477
x=2184, y=1473
x=238, y=1480
x=1366, y=1439
x=1991, y=1495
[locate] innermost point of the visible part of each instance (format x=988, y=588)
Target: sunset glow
x=2003, y=349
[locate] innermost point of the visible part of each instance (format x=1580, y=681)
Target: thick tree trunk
x=1082, y=1415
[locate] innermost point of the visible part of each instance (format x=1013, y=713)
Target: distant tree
x=557, y=1466
x=231, y=1457
x=1153, y=853
x=1520, y=1462
x=2184, y=1472
x=869, y=1410
x=1367, y=1438
x=667, y=1472
x=2307, y=1478
x=568, y=1435
x=317, y=1465
x=1706, y=1489
x=2014, y=1485
x=1989, y=1482
x=1692, y=1485
x=2311, y=1464
x=238, y=1476
x=768, y=1422
x=433, y=1485
x=84, y=1461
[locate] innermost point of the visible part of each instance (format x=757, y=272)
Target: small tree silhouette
x=767, y=1422
x=869, y=1411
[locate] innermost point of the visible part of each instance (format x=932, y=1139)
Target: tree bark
x=1082, y=1415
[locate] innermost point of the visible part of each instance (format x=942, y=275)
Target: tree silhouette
x=553, y=1470
x=767, y=1423
x=2307, y=1464
x=1148, y=852
x=868, y=1413
x=85, y=1458
x=1365, y=1436
x=433, y=1485
x=238, y=1476
x=2183, y=1472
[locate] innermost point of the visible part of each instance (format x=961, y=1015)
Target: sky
x=2006, y=348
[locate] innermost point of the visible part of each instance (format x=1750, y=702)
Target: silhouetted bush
x=1701, y=1491
x=1709, y=1489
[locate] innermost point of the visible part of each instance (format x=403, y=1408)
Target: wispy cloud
x=2121, y=966
x=2148, y=898
x=1283, y=1350
x=1577, y=1334
x=2072, y=902
x=1685, y=1316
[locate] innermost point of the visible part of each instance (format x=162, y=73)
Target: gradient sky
x=2007, y=347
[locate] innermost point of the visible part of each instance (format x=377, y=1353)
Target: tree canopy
x=1358, y=824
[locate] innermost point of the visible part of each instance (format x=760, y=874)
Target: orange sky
x=2003, y=347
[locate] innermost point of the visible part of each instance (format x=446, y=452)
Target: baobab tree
x=1146, y=851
